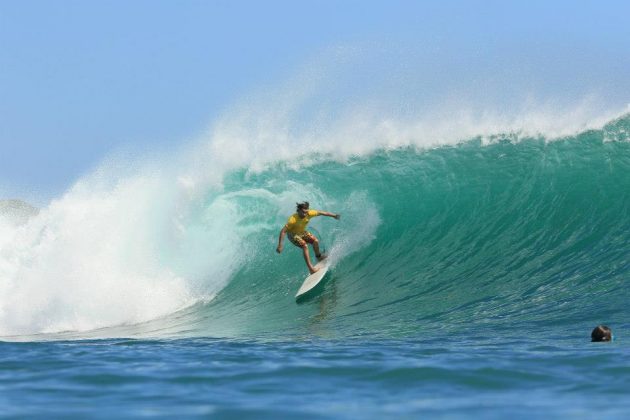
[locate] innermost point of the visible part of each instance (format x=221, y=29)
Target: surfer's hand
x=279, y=249
x=337, y=216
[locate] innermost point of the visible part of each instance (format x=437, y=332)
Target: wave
x=474, y=228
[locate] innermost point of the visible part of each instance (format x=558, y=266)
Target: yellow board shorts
x=300, y=239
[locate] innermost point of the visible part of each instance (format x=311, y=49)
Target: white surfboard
x=314, y=279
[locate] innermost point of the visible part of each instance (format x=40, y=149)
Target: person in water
x=299, y=236
x=601, y=333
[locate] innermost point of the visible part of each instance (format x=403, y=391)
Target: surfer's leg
x=316, y=249
x=311, y=239
x=299, y=241
x=307, y=258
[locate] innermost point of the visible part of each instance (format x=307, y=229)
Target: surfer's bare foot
x=313, y=270
x=321, y=257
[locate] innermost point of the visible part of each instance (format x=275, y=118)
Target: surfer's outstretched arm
x=280, y=238
x=334, y=215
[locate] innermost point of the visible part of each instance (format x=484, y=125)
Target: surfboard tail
x=313, y=280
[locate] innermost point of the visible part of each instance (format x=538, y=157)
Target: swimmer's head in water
x=601, y=333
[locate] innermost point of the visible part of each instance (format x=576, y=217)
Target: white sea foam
x=258, y=138
x=110, y=253
x=362, y=219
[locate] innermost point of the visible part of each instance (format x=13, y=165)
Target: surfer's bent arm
x=325, y=213
x=280, y=238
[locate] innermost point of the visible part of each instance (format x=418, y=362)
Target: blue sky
x=82, y=79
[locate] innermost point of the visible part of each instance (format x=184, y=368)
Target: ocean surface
x=466, y=278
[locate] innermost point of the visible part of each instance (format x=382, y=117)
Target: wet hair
x=302, y=206
x=601, y=333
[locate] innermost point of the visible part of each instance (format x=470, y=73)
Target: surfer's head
x=601, y=333
x=302, y=208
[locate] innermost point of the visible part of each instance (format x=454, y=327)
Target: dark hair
x=302, y=206
x=601, y=333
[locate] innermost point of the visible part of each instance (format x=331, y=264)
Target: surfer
x=299, y=236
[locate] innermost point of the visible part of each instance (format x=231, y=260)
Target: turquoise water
x=465, y=281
